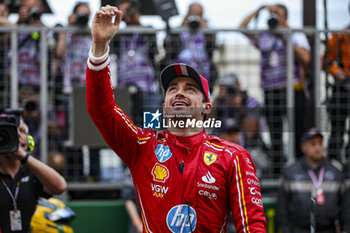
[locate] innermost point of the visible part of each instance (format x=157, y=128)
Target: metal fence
x=93, y=165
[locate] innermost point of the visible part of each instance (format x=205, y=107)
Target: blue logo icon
x=151, y=120
x=181, y=218
x=163, y=153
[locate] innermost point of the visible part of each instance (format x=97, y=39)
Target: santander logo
x=208, y=178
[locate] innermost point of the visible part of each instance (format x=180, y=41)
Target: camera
x=9, y=122
x=232, y=91
x=132, y=10
x=82, y=19
x=194, y=22
x=30, y=106
x=272, y=22
x=34, y=13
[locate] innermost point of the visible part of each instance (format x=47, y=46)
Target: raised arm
x=52, y=182
x=104, y=28
x=120, y=133
x=248, y=18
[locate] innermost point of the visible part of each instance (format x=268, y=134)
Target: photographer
x=273, y=48
x=192, y=46
x=135, y=51
x=23, y=179
x=29, y=14
x=71, y=56
x=71, y=46
x=30, y=10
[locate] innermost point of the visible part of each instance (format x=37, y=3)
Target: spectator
x=70, y=51
x=274, y=78
x=313, y=175
x=234, y=106
x=24, y=12
x=32, y=117
x=70, y=47
x=338, y=108
x=194, y=177
x=241, y=116
x=29, y=45
x=135, y=51
x=23, y=179
x=192, y=46
x=57, y=161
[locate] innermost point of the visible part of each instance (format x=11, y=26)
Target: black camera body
x=82, y=19
x=194, y=22
x=34, y=13
x=9, y=122
x=272, y=22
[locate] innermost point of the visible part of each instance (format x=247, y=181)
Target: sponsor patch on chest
x=162, y=152
x=209, y=157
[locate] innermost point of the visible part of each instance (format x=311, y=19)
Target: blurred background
x=43, y=51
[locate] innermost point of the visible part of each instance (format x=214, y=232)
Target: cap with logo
x=311, y=133
x=182, y=70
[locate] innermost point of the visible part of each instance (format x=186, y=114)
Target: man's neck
x=9, y=165
x=313, y=163
x=177, y=126
x=185, y=132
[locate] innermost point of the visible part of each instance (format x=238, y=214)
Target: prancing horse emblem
x=209, y=158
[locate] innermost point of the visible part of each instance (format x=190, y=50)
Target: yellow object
x=35, y=35
x=41, y=223
x=270, y=219
x=31, y=143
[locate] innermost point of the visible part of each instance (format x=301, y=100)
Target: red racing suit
x=183, y=184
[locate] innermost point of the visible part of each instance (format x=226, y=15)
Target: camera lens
x=34, y=13
x=30, y=106
x=82, y=19
x=273, y=21
x=194, y=22
x=4, y=138
x=8, y=139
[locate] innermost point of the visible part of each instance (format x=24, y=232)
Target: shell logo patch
x=160, y=173
x=209, y=157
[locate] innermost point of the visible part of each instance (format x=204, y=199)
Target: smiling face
x=184, y=97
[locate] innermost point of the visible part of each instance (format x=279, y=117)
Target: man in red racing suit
x=183, y=183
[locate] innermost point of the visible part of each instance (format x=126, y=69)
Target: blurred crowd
x=140, y=58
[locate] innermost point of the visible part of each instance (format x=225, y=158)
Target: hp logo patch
x=162, y=152
x=151, y=120
x=181, y=218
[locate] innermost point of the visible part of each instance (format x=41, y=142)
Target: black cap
x=311, y=133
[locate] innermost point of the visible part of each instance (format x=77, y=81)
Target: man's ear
x=303, y=147
x=206, y=108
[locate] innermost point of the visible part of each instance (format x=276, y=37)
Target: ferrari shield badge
x=209, y=158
